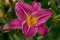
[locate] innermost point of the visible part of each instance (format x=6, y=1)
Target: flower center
x=31, y=20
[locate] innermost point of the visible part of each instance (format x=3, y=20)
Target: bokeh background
x=7, y=13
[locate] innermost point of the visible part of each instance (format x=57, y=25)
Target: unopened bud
x=2, y=1
x=14, y=1
x=7, y=2
x=58, y=6
x=57, y=20
x=1, y=14
x=49, y=3
x=11, y=2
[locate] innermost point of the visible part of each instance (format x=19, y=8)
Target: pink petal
x=43, y=12
x=26, y=7
x=25, y=28
x=36, y=5
x=43, y=17
x=19, y=12
x=15, y=24
x=29, y=32
x=22, y=9
x=5, y=27
x=42, y=29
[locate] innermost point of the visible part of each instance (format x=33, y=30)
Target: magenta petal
x=5, y=27
x=43, y=12
x=19, y=12
x=32, y=31
x=25, y=28
x=45, y=15
x=36, y=5
x=25, y=6
x=29, y=32
x=22, y=9
x=42, y=29
x=15, y=24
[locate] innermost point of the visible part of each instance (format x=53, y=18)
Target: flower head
x=31, y=18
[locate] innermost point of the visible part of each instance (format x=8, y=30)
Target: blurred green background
x=7, y=13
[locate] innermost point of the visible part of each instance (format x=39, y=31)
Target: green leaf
x=1, y=36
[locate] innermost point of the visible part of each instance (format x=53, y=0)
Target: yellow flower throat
x=31, y=20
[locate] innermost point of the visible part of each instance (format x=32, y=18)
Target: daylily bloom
x=31, y=19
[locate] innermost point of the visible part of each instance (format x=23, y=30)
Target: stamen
x=31, y=20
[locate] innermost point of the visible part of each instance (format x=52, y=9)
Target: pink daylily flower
x=31, y=19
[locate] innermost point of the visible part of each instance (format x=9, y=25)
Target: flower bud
x=11, y=2
x=59, y=7
x=7, y=2
x=57, y=20
x=1, y=14
x=2, y=1
x=14, y=1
